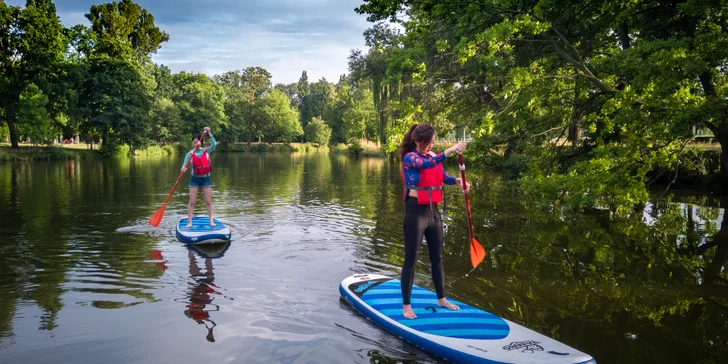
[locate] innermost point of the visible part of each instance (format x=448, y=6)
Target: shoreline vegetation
x=695, y=170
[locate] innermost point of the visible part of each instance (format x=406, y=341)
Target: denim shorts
x=201, y=181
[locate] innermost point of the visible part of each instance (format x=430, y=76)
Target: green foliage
x=111, y=150
x=165, y=121
x=118, y=102
x=125, y=31
x=318, y=132
x=33, y=119
x=313, y=103
x=200, y=103
x=4, y=132
x=280, y=117
x=625, y=84
x=32, y=48
x=244, y=92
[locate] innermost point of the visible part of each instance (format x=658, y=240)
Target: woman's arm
x=213, y=143
x=412, y=160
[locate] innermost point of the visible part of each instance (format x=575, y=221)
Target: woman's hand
x=459, y=147
x=184, y=169
x=207, y=130
x=459, y=182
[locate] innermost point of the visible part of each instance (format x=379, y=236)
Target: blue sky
x=214, y=36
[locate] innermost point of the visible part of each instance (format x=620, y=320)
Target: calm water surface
x=86, y=279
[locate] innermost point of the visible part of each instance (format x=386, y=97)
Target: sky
x=215, y=36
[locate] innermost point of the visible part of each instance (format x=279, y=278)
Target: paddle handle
x=467, y=199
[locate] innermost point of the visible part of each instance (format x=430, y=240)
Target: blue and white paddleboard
x=469, y=335
x=201, y=232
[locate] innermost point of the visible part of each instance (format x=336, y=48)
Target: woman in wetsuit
x=423, y=177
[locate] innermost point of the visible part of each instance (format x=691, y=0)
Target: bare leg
x=208, y=201
x=191, y=206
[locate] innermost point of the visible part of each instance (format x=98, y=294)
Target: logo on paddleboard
x=528, y=346
x=360, y=288
x=364, y=286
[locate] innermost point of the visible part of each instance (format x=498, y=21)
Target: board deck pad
x=201, y=232
x=467, y=335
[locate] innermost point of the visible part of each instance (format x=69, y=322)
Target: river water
x=86, y=279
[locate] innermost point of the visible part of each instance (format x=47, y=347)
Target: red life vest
x=429, y=190
x=200, y=165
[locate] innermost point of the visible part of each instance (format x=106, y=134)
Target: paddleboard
x=469, y=335
x=201, y=232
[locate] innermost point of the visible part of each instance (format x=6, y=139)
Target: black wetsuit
x=419, y=221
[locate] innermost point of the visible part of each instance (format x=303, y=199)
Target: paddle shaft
x=467, y=199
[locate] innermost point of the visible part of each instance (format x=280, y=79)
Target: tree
x=360, y=116
x=124, y=30
x=31, y=45
x=626, y=82
x=290, y=90
x=200, y=103
x=281, y=118
x=33, y=119
x=117, y=100
x=318, y=132
x=165, y=121
x=244, y=91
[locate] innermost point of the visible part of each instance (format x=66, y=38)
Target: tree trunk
x=105, y=136
x=624, y=36
x=13, y=133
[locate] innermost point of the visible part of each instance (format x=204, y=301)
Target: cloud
x=214, y=36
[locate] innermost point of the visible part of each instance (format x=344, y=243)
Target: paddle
x=477, y=253
x=157, y=217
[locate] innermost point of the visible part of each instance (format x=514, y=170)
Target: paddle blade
x=477, y=253
x=157, y=217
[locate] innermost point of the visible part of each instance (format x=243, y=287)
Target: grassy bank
x=45, y=153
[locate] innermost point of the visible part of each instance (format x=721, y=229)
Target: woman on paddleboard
x=423, y=176
x=200, y=177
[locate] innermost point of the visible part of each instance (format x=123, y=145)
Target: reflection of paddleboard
x=210, y=251
x=201, y=232
x=469, y=335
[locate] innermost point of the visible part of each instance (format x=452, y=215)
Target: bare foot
x=407, y=312
x=212, y=223
x=188, y=226
x=442, y=302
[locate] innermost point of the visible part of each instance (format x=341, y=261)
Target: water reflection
x=647, y=288
x=200, y=295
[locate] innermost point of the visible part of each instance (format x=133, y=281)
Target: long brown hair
x=422, y=133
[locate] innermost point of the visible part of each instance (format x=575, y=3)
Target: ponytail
x=417, y=133
x=408, y=144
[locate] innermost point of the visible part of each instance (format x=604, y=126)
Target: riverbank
x=8, y=154
x=82, y=151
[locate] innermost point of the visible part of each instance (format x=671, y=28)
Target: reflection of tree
x=713, y=271
x=10, y=217
x=571, y=273
x=53, y=217
x=200, y=295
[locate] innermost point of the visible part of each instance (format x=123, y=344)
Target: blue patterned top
x=414, y=161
